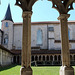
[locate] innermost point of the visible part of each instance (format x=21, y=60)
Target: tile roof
x=43, y=22
x=43, y=51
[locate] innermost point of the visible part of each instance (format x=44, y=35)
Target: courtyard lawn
x=44, y=70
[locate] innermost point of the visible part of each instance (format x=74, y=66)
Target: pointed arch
x=55, y=58
x=39, y=37
x=6, y=39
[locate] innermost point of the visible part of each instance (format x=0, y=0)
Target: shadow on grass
x=7, y=67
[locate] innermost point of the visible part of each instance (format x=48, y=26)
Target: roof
x=5, y=49
x=16, y=52
x=43, y=51
x=43, y=22
x=8, y=15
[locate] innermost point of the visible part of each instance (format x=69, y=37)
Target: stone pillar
x=66, y=69
x=34, y=57
x=73, y=57
x=49, y=58
x=45, y=57
x=38, y=57
x=26, y=44
x=57, y=57
x=53, y=57
x=41, y=57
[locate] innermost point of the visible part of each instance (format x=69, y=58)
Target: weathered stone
x=66, y=69
x=26, y=44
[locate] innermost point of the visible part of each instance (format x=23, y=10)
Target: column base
x=25, y=71
x=64, y=70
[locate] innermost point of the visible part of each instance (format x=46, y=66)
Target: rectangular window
x=50, y=29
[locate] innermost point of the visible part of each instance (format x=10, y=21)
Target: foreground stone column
x=26, y=44
x=65, y=69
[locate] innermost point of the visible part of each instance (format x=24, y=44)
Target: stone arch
x=36, y=58
x=40, y=58
x=71, y=57
x=6, y=39
x=14, y=59
x=47, y=58
x=59, y=58
x=18, y=59
x=43, y=58
x=51, y=58
x=55, y=58
x=32, y=58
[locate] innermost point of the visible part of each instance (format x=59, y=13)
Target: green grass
x=44, y=70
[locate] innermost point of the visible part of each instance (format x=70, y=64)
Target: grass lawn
x=44, y=70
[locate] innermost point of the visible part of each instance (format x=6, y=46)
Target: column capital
x=25, y=13
x=63, y=16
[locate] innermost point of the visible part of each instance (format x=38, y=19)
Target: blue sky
x=42, y=11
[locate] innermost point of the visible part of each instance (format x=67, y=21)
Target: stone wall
x=6, y=57
x=48, y=37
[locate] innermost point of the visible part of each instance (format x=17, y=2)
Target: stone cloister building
x=43, y=43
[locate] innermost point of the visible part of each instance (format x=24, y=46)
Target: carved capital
x=27, y=13
x=63, y=16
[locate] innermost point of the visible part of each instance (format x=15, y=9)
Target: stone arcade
x=63, y=6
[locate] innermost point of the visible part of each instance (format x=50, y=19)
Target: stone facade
x=50, y=38
x=6, y=57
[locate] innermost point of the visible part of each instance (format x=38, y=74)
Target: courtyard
x=38, y=70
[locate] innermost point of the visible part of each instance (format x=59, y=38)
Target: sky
x=42, y=11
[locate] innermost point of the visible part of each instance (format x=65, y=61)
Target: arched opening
x=39, y=58
x=32, y=58
x=51, y=58
x=71, y=57
x=14, y=59
x=47, y=58
x=43, y=58
x=18, y=59
x=36, y=58
x=59, y=58
x=55, y=58
x=6, y=39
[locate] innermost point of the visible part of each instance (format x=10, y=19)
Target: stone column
x=57, y=57
x=41, y=57
x=34, y=57
x=38, y=57
x=65, y=69
x=45, y=57
x=53, y=57
x=73, y=57
x=26, y=44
